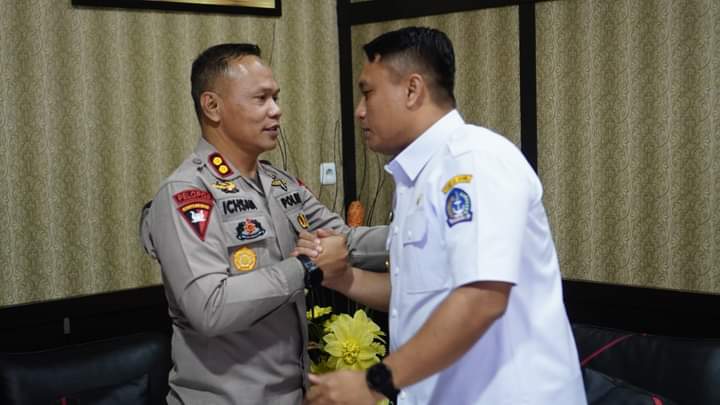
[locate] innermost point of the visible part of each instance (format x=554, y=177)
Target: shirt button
x=197, y=161
x=393, y=313
x=402, y=395
x=396, y=229
x=396, y=271
x=409, y=234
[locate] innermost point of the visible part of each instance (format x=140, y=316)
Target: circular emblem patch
x=244, y=259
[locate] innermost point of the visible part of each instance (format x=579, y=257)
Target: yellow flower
x=350, y=342
x=317, y=312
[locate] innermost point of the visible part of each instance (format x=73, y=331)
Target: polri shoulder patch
x=461, y=178
x=458, y=207
x=217, y=162
x=195, y=206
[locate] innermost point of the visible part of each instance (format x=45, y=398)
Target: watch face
x=377, y=375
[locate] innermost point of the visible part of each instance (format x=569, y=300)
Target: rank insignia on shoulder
x=195, y=206
x=277, y=182
x=226, y=186
x=303, y=221
x=244, y=259
x=220, y=165
x=458, y=207
x=461, y=178
x=249, y=229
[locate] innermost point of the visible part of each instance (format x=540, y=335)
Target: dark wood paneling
x=643, y=310
x=82, y=319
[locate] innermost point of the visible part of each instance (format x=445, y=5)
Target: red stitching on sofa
x=610, y=344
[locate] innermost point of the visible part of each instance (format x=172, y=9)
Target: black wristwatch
x=379, y=379
x=313, y=274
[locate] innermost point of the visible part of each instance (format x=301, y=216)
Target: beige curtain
x=487, y=86
x=629, y=131
x=96, y=111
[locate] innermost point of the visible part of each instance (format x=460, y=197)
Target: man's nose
x=360, y=110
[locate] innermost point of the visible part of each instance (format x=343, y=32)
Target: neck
x=427, y=117
x=244, y=161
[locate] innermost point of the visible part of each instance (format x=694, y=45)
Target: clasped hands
x=328, y=250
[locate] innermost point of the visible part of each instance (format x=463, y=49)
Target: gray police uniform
x=236, y=297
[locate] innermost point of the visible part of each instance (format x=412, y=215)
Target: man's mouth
x=272, y=128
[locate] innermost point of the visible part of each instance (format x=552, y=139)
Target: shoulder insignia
x=244, y=259
x=195, y=206
x=458, y=207
x=220, y=165
x=226, y=186
x=462, y=178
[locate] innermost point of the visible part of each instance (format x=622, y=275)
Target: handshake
x=328, y=250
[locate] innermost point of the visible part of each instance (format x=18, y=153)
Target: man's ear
x=416, y=91
x=210, y=103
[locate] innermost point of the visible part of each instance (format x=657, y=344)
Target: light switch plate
x=327, y=173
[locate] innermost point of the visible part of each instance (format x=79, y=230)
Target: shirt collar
x=408, y=164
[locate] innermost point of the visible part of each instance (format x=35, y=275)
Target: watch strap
x=379, y=379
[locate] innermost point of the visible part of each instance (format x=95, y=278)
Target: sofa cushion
x=602, y=389
x=687, y=370
x=128, y=369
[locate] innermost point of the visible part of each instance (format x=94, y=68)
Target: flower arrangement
x=341, y=341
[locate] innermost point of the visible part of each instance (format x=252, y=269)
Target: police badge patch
x=458, y=207
x=244, y=259
x=249, y=229
x=195, y=206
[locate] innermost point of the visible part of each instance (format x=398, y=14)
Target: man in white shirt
x=474, y=290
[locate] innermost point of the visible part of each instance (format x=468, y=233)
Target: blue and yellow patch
x=458, y=207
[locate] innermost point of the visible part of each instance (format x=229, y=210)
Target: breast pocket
x=424, y=268
x=248, y=243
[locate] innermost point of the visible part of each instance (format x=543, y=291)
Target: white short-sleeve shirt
x=468, y=207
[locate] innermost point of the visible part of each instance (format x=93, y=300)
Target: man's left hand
x=343, y=387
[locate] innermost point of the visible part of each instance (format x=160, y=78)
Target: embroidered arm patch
x=195, y=206
x=458, y=207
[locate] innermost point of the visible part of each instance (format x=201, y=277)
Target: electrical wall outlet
x=327, y=173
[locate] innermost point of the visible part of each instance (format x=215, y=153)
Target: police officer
x=223, y=227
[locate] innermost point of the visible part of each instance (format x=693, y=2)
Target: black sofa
x=677, y=370
x=130, y=369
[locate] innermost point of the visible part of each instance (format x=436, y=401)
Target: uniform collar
x=408, y=164
x=207, y=155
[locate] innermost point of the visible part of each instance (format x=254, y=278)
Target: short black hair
x=426, y=49
x=213, y=62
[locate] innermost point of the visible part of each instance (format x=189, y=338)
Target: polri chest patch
x=458, y=207
x=195, y=206
x=237, y=205
x=244, y=259
x=290, y=200
x=249, y=229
